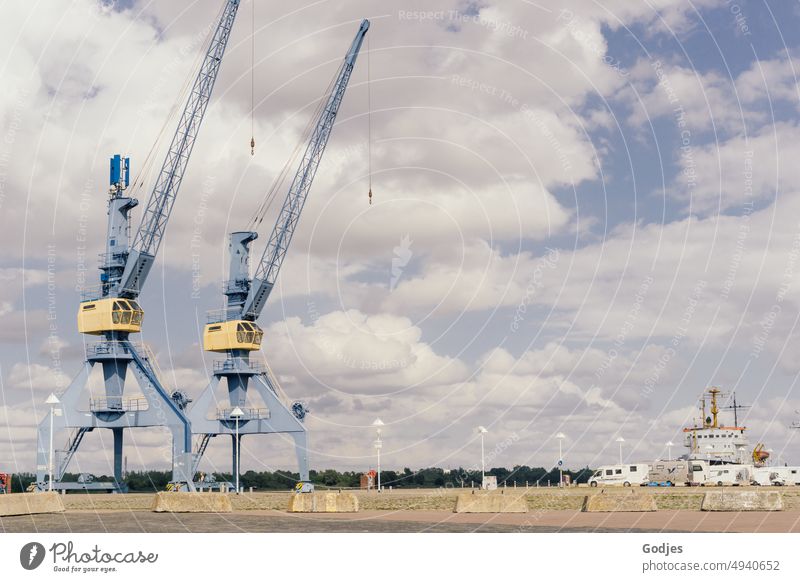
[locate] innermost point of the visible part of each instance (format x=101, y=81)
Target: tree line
x=432, y=477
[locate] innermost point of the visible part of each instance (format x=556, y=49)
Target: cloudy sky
x=582, y=218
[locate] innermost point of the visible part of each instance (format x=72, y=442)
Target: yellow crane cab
x=236, y=334
x=110, y=314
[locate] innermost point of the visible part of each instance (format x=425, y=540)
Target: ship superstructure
x=710, y=441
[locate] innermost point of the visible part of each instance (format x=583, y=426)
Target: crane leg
x=118, y=440
x=301, y=449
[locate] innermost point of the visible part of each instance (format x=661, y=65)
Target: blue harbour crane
x=234, y=331
x=112, y=313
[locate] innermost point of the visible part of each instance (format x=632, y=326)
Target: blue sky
x=596, y=207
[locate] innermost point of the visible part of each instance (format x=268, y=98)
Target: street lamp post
x=620, y=440
x=378, y=444
x=670, y=444
x=53, y=401
x=482, y=431
x=560, y=436
x=236, y=414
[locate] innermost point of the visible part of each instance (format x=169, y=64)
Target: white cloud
x=475, y=141
x=352, y=353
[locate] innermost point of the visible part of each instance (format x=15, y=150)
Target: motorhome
x=669, y=473
x=790, y=474
x=780, y=475
x=697, y=472
x=624, y=475
x=763, y=476
x=727, y=474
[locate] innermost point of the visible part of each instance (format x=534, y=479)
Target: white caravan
x=625, y=475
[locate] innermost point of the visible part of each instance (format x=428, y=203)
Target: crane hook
x=252, y=146
x=370, y=196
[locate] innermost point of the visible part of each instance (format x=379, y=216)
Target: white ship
x=709, y=441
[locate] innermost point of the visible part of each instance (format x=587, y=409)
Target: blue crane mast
x=234, y=331
x=112, y=312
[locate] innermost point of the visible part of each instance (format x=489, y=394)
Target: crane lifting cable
x=369, y=121
x=252, y=78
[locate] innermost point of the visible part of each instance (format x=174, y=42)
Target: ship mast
x=736, y=407
x=714, y=391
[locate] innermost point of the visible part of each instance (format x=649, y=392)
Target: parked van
x=625, y=475
x=669, y=473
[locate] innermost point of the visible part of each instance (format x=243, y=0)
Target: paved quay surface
x=403, y=522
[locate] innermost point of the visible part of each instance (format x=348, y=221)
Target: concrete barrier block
x=727, y=500
x=187, y=502
x=482, y=502
x=323, y=502
x=611, y=502
x=29, y=503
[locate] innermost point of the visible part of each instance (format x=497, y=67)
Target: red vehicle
x=5, y=483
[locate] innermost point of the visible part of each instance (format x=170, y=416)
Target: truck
x=624, y=475
x=669, y=473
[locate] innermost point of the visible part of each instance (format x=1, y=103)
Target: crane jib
x=162, y=199
x=269, y=266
